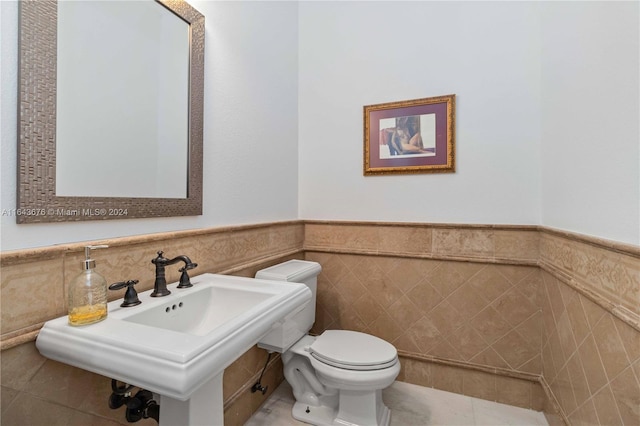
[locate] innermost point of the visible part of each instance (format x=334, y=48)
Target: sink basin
x=179, y=344
x=201, y=311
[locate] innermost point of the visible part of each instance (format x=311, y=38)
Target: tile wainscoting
x=590, y=358
x=45, y=271
x=36, y=278
x=517, y=314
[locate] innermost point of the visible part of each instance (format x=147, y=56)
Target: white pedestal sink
x=178, y=346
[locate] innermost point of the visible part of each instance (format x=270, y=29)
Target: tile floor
x=413, y=405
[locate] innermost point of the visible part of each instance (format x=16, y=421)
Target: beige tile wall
x=491, y=244
x=38, y=278
x=471, y=300
x=37, y=391
x=483, y=317
x=459, y=302
x=611, y=272
x=591, y=359
x=478, y=310
x=485, y=314
x=478, y=383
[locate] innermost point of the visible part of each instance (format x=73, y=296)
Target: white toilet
x=337, y=378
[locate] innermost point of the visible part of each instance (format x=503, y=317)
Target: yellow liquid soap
x=87, y=314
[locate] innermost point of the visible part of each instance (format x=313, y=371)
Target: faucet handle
x=130, y=296
x=185, y=281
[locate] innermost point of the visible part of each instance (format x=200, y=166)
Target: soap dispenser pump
x=88, y=293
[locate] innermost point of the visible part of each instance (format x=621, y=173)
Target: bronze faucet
x=160, y=285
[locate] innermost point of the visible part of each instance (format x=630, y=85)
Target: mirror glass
x=122, y=106
x=110, y=121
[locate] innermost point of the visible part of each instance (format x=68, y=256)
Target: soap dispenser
x=88, y=293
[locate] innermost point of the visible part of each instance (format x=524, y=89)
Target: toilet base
x=326, y=416
x=321, y=415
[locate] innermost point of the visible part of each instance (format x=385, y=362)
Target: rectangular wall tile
x=464, y=242
x=404, y=239
x=31, y=293
x=518, y=244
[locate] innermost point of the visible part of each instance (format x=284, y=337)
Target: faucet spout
x=160, y=284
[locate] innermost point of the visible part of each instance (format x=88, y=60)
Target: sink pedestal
x=205, y=407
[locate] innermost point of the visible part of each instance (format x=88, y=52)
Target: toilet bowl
x=337, y=377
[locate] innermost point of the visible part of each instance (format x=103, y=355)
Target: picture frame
x=414, y=136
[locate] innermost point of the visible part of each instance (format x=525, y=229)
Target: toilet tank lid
x=292, y=270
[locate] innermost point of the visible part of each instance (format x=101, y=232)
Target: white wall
x=547, y=111
x=590, y=118
x=547, y=115
x=360, y=53
x=250, y=127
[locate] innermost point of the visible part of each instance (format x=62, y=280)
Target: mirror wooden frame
x=36, y=194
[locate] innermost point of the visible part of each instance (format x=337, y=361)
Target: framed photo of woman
x=415, y=136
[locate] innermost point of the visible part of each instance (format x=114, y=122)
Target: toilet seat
x=352, y=350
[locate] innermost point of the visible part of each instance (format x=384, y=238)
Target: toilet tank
x=291, y=329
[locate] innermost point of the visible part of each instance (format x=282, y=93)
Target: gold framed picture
x=415, y=136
